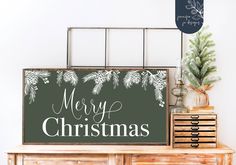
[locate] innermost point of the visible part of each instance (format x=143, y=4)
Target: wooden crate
x=191, y=130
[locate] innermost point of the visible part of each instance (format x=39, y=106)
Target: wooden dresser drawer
x=194, y=130
x=82, y=159
x=165, y=159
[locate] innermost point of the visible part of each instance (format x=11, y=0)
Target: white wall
x=221, y=18
x=33, y=34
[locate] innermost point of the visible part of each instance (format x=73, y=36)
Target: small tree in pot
x=199, y=66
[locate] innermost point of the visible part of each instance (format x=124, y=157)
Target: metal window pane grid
x=106, y=31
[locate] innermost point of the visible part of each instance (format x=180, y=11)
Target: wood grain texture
x=173, y=159
x=111, y=149
x=111, y=159
x=128, y=160
x=51, y=159
x=11, y=159
x=120, y=159
x=228, y=159
x=19, y=159
x=118, y=155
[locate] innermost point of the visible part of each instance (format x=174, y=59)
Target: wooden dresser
x=117, y=155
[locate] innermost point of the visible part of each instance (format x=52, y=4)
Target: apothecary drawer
x=194, y=145
x=195, y=139
x=193, y=134
x=195, y=117
x=195, y=122
x=194, y=130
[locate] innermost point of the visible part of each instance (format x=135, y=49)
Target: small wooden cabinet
x=194, y=130
x=117, y=155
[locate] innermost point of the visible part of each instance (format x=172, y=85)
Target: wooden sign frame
x=45, y=81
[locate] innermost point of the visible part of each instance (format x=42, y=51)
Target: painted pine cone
x=136, y=78
x=31, y=78
x=100, y=78
x=67, y=76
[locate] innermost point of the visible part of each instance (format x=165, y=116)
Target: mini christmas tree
x=199, y=64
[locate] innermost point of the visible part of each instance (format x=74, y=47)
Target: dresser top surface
x=114, y=149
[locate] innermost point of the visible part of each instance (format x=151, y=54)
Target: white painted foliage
x=101, y=77
x=68, y=76
x=131, y=78
x=196, y=9
x=31, y=81
x=134, y=77
x=158, y=80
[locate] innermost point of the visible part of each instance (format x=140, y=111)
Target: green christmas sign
x=63, y=106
